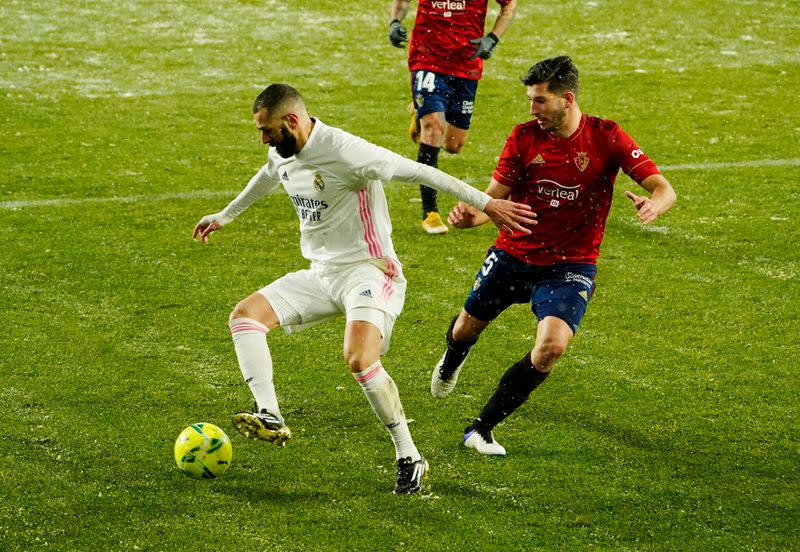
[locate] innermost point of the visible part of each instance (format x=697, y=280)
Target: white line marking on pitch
x=118, y=199
x=199, y=194
x=733, y=165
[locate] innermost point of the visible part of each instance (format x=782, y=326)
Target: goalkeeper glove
x=398, y=35
x=484, y=46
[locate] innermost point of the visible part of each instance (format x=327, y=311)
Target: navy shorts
x=561, y=290
x=438, y=93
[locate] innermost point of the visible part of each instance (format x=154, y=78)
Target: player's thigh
x=460, y=103
x=372, y=294
x=433, y=129
x=500, y=282
x=430, y=92
x=300, y=299
x=363, y=340
x=552, y=335
x=564, y=293
x=256, y=307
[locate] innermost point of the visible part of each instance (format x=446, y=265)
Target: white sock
x=255, y=362
x=382, y=395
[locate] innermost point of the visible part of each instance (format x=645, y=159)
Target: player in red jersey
x=563, y=164
x=445, y=57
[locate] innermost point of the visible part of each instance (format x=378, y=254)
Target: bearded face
x=287, y=146
x=549, y=109
x=276, y=132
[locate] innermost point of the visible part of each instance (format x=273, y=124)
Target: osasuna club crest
x=319, y=184
x=582, y=160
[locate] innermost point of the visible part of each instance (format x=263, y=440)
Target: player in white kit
x=334, y=180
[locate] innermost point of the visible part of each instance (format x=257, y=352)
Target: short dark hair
x=559, y=73
x=275, y=96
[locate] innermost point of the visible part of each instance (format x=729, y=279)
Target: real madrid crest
x=582, y=160
x=319, y=184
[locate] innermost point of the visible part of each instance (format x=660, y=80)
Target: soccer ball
x=203, y=451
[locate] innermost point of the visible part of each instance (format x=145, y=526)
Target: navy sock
x=514, y=388
x=428, y=155
x=457, y=351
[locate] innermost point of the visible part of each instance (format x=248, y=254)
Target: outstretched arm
x=257, y=188
x=367, y=161
x=662, y=197
x=506, y=215
x=465, y=216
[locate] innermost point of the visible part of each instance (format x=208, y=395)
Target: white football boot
x=483, y=442
x=444, y=381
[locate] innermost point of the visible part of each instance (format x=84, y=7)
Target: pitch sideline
x=201, y=194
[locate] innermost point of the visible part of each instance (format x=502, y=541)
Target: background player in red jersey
x=445, y=57
x=563, y=164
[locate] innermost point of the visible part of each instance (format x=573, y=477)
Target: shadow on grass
x=280, y=494
x=646, y=437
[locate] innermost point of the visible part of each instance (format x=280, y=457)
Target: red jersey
x=441, y=35
x=569, y=183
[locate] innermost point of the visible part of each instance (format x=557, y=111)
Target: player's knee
x=255, y=308
x=432, y=138
x=463, y=334
x=453, y=146
x=357, y=359
x=467, y=329
x=546, y=355
x=431, y=133
x=241, y=310
x=556, y=349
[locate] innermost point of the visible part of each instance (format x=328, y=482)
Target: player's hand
x=465, y=216
x=207, y=225
x=645, y=207
x=398, y=35
x=509, y=216
x=484, y=46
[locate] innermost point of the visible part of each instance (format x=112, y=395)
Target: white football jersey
x=335, y=185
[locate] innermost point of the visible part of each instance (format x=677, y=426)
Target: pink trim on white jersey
x=370, y=235
x=386, y=290
x=388, y=279
x=369, y=373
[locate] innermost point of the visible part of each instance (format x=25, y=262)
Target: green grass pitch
x=671, y=423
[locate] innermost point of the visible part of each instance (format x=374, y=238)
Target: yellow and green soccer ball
x=203, y=451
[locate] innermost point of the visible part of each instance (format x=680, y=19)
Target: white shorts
x=370, y=292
